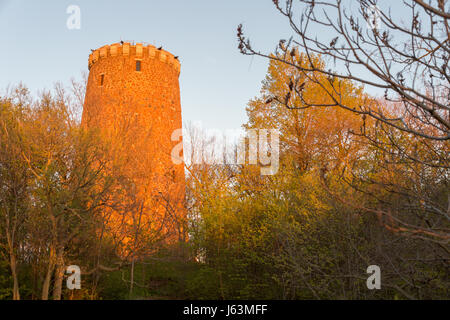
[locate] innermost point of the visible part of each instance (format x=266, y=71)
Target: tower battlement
x=138, y=50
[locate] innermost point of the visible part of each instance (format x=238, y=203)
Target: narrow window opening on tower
x=138, y=65
x=102, y=80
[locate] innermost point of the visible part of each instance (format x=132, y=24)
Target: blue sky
x=216, y=80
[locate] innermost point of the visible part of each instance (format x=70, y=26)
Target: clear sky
x=216, y=80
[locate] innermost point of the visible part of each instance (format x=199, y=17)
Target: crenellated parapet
x=138, y=50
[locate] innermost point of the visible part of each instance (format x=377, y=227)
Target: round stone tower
x=133, y=98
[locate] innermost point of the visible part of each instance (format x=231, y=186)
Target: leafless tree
x=371, y=47
x=406, y=118
x=14, y=181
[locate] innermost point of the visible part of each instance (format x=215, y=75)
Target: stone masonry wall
x=138, y=111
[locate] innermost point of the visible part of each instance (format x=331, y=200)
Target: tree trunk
x=48, y=276
x=16, y=293
x=46, y=284
x=132, y=279
x=13, y=265
x=59, y=275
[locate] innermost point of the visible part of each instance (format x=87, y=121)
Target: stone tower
x=133, y=98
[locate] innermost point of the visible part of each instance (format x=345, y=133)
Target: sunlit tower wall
x=133, y=98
